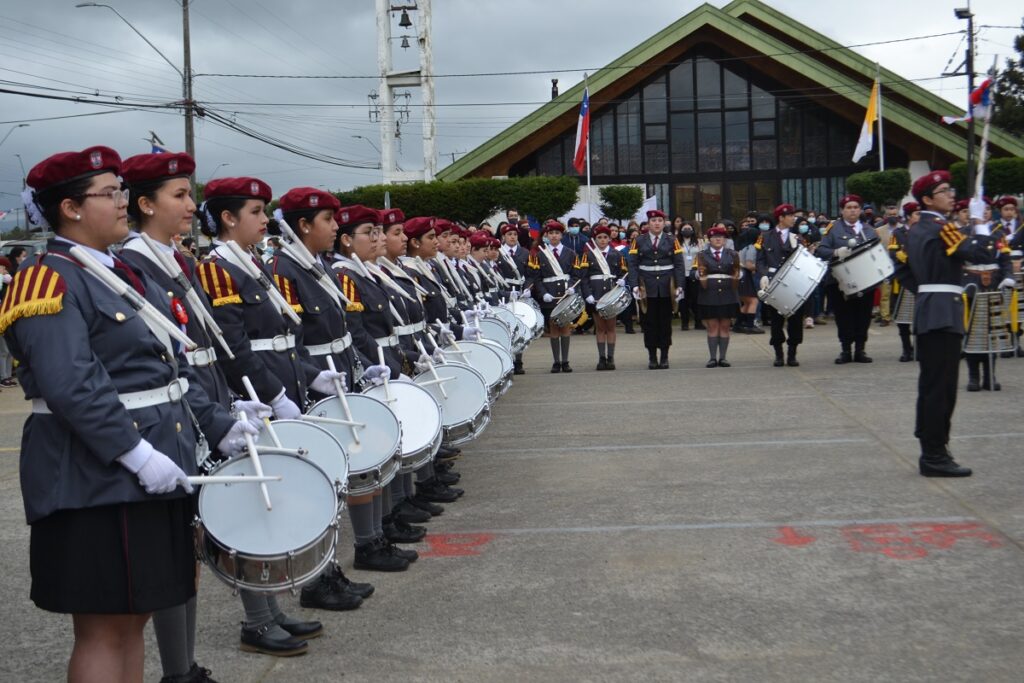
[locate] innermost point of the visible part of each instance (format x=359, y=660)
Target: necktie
x=656, y=242
x=124, y=271
x=183, y=264
x=557, y=252
x=718, y=256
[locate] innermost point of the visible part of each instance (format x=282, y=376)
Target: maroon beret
x=784, y=210
x=357, y=214
x=986, y=199
x=459, y=231
x=510, y=227
x=391, y=217
x=1006, y=201
x=480, y=240
x=553, y=225
x=718, y=231
x=5, y=262
x=442, y=225
x=419, y=226
x=494, y=242
x=148, y=168
x=654, y=213
x=67, y=166
x=601, y=230
x=910, y=207
x=928, y=182
x=850, y=198
x=250, y=188
x=307, y=198
x=961, y=205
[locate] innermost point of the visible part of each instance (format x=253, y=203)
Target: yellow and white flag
x=867, y=138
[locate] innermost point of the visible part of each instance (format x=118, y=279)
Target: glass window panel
x=737, y=141
x=734, y=92
x=684, y=201
x=739, y=201
x=764, y=129
x=655, y=133
x=709, y=142
x=815, y=135
x=628, y=136
x=841, y=138
x=793, y=192
x=764, y=196
x=762, y=105
x=817, y=195
x=764, y=155
x=602, y=145
x=710, y=203
x=569, y=154
x=789, y=136
x=656, y=158
x=684, y=147
x=838, y=189
x=680, y=86
x=709, y=85
x=549, y=161
x=659, y=190
x=654, y=102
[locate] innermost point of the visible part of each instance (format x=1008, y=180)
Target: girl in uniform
x=552, y=272
x=719, y=272
x=600, y=268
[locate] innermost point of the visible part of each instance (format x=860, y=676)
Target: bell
x=405, y=22
x=405, y=42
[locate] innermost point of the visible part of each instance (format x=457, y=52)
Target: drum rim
x=398, y=445
x=422, y=392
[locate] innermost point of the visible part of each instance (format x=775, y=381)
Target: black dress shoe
x=434, y=492
x=907, y=356
x=300, y=629
x=406, y=554
x=556, y=367
x=376, y=556
x=611, y=363
x=363, y=590
x=723, y=363
x=565, y=367
x=843, y=358
x=425, y=505
x=602, y=364
x=792, y=362
x=711, y=363
x=400, y=532
x=778, y=363
x=517, y=369
x=861, y=357
x=972, y=385
x=447, y=478
x=406, y=512
x=328, y=593
x=195, y=674
x=946, y=468
x=261, y=640
x=652, y=365
x=663, y=365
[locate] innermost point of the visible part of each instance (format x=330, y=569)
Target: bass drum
x=419, y=416
x=484, y=359
x=465, y=411
x=496, y=331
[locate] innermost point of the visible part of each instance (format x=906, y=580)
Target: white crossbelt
x=389, y=341
x=201, y=357
x=656, y=268
x=556, y=278
x=334, y=346
x=940, y=289
x=405, y=330
x=601, y=276
x=132, y=400
x=720, y=276
x=981, y=268
x=281, y=342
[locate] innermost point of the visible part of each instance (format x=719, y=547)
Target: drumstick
x=253, y=396
x=229, y=479
x=257, y=466
x=433, y=370
x=380, y=359
x=340, y=392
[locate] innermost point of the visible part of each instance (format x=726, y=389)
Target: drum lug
x=234, y=572
x=265, y=572
x=291, y=574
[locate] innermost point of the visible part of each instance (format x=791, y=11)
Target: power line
x=71, y=116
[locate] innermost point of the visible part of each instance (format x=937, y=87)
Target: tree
x=880, y=187
x=1002, y=176
x=621, y=202
x=1009, y=94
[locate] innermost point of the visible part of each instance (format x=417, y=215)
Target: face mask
x=763, y=226
x=574, y=231
x=547, y=241
x=892, y=220
x=804, y=229
x=687, y=233
x=269, y=251
x=622, y=235
x=812, y=220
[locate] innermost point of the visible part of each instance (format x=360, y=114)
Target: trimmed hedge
x=621, y=202
x=880, y=187
x=1002, y=176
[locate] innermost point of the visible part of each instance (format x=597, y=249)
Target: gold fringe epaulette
x=287, y=289
x=218, y=284
x=36, y=290
x=348, y=287
x=951, y=237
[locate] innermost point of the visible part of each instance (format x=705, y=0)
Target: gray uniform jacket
x=514, y=272
x=79, y=345
x=656, y=268
x=772, y=252
x=592, y=278
x=370, y=305
x=541, y=276
x=838, y=234
x=721, y=287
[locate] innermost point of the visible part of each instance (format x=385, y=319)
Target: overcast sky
x=51, y=44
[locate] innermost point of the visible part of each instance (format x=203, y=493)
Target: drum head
x=481, y=357
x=379, y=440
x=525, y=313
x=506, y=357
x=324, y=451
x=467, y=393
x=496, y=330
x=416, y=409
x=304, y=504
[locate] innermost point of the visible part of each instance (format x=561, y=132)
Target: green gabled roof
x=728, y=22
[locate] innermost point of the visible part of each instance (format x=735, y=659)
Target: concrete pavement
x=742, y=524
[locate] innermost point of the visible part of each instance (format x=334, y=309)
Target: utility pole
x=190, y=136
x=966, y=13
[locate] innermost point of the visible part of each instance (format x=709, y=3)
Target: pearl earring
x=231, y=225
x=78, y=217
x=150, y=212
x=306, y=231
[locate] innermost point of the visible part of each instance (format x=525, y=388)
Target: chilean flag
x=979, y=104
x=582, y=134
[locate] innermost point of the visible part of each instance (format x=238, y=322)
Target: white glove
x=438, y=356
x=764, y=282
x=375, y=374
x=621, y=282
x=284, y=408
x=324, y=382
x=679, y=293
x=548, y=298
x=422, y=364
x=636, y=292
x=7, y=278
x=525, y=294
x=471, y=316
x=570, y=291
x=233, y=442
x=157, y=473
x=470, y=333
x=1008, y=283
x=254, y=412
x=983, y=229
x=591, y=300
x=842, y=252
x=977, y=208
x=793, y=241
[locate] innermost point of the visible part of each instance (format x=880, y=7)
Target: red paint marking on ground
x=455, y=545
x=791, y=537
x=917, y=540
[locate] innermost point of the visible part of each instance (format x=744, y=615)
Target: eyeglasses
x=945, y=190
x=113, y=195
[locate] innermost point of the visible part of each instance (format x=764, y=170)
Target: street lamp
x=22, y=164
x=369, y=141
x=20, y=125
x=219, y=166
x=966, y=13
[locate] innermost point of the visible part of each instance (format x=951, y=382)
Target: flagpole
x=881, y=134
x=590, y=211
x=979, y=185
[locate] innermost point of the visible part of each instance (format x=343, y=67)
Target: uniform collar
x=104, y=257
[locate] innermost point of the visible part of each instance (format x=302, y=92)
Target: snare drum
x=507, y=365
x=568, y=310
x=465, y=412
x=322, y=449
x=374, y=461
x=615, y=301
x=484, y=359
x=420, y=417
x=795, y=282
x=865, y=267
x=530, y=316
x=250, y=547
x=518, y=330
x=495, y=330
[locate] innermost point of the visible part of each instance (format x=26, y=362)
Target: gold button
x=316, y=308
x=177, y=426
x=119, y=317
x=257, y=297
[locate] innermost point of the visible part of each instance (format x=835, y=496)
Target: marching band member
x=692, y=245
x=602, y=268
x=853, y=315
x=936, y=251
x=718, y=269
x=898, y=251
x=476, y=275
x=1009, y=222
x=961, y=215
x=116, y=415
x=446, y=267
x=773, y=248
x=552, y=273
x=657, y=275
x=512, y=260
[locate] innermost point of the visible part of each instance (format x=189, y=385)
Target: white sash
x=552, y=261
x=602, y=262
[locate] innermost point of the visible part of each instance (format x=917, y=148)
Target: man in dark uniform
x=511, y=265
x=898, y=252
x=936, y=252
x=853, y=314
x=657, y=274
x=1009, y=221
x=773, y=248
